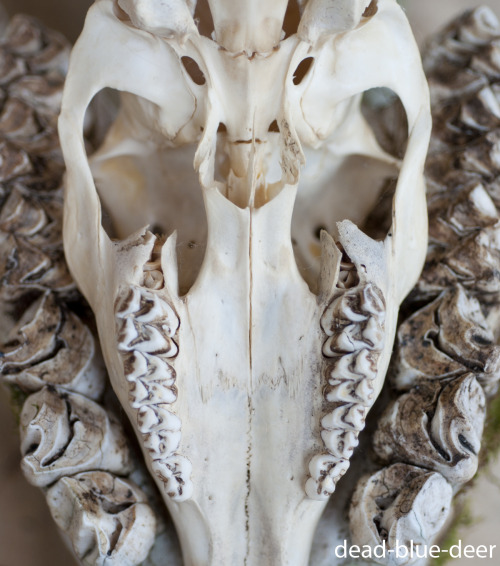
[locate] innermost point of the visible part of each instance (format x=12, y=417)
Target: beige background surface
x=27, y=535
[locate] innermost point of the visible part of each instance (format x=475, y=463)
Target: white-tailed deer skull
x=245, y=350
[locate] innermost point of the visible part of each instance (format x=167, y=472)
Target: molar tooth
x=127, y=332
x=344, y=391
x=153, y=309
x=160, y=369
x=146, y=338
x=354, y=366
x=340, y=443
x=152, y=393
x=325, y=471
x=175, y=471
x=346, y=416
x=138, y=393
x=366, y=364
x=339, y=313
x=145, y=366
x=136, y=365
x=155, y=417
x=348, y=340
x=161, y=444
x=364, y=390
x=128, y=302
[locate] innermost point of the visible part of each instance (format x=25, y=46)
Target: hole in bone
x=292, y=18
x=360, y=188
x=302, y=69
x=203, y=18
x=273, y=127
x=99, y=116
x=371, y=10
x=317, y=231
x=386, y=115
x=378, y=221
x=159, y=188
x=193, y=70
x=349, y=188
x=348, y=274
x=384, y=502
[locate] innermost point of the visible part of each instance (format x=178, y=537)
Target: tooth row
x=354, y=326
x=146, y=326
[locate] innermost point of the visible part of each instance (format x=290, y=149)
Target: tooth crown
x=354, y=325
x=146, y=326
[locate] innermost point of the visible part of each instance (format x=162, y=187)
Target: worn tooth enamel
x=157, y=417
x=339, y=442
x=161, y=444
x=152, y=392
x=373, y=334
x=128, y=303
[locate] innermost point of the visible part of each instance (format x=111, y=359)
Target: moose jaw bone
x=224, y=382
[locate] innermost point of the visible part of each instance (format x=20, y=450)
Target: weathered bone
x=362, y=338
x=436, y=426
x=53, y=348
x=63, y=434
x=49, y=350
x=218, y=359
x=107, y=518
x=447, y=359
x=397, y=505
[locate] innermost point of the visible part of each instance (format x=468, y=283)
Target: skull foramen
x=245, y=350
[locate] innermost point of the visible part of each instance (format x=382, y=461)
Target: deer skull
x=245, y=351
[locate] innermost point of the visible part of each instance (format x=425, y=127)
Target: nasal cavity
x=193, y=70
x=302, y=70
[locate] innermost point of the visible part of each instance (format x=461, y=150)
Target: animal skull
x=245, y=352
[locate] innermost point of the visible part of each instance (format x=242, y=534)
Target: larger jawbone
x=247, y=386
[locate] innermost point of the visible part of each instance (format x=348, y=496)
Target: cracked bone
x=215, y=336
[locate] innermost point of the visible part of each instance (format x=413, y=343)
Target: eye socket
x=371, y=10
x=302, y=69
x=193, y=70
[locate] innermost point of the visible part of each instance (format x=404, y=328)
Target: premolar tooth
x=155, y=417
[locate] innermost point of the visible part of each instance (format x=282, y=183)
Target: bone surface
x=50, y=357
x=446, y=362
x=234, y=323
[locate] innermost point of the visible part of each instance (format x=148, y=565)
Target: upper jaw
x=253, y=409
